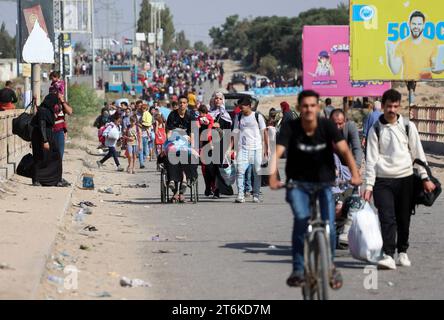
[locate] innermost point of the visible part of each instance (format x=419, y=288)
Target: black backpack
x=21, y=126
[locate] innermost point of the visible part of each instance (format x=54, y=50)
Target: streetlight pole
x=93, y=47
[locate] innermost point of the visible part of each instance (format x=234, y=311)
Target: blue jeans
x=111, y=153
x=59, y=137
x=144, y=151
x=248, y=173
x=246, y=158
x=299, y=200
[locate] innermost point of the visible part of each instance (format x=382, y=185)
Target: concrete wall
x=12, y=148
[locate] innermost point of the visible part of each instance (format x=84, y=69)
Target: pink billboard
x=326, y=59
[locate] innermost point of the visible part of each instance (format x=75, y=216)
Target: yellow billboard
x=397, y=39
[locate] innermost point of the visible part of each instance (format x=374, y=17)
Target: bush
x=83, y=99
x=268, y=65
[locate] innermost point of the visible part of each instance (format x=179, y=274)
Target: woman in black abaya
x=47, y=160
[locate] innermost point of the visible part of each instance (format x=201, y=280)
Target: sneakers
x=240, y=199
x=247, y=194
x=120, y=169
x=387, y=262
x=296, y=279
x=216, y=194
x=403, y=260
x=256, y=199
x=99, y=164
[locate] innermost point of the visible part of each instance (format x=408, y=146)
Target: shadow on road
x=260, y=248
x=351, y=264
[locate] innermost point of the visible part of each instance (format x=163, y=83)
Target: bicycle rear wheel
x=322, y=265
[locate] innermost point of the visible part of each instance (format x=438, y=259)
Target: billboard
x=77, y=16
x=397, y=39
x=326, y=60
x=36, y=31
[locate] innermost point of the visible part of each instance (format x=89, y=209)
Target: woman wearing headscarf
x=214, y=184
x=47, y=160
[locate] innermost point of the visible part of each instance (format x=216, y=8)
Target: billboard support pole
x=411, y=86
x=36, y=73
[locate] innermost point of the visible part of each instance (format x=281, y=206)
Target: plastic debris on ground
x=103, y=294
x=56, y=280
x=161, y=251
x=90, y=228
x=5, y=266
x=133, y=283
x=85, y=204
x=107, y=190
x=138, y=186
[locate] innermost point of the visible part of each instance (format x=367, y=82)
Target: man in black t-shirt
x=310, y=141
x=179, y=124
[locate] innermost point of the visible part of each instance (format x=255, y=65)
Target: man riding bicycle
x=310, y=142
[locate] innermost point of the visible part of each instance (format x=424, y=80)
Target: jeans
x=111, y=153
x=299, y=200
x=59, y=138
x=246, y=158
x=248, y=173
x=144, y=151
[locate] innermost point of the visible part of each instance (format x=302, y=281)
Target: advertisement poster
x=36, y=31
x=397, y=39
x=326, y=60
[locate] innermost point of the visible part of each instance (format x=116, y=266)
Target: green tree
x=182, y=43
x=268, y=65
x=7, y=44
x=279, y=37
x=79, y=47
x=144, y=24
x=200, y=46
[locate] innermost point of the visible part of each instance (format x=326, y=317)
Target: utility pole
x=93, y=47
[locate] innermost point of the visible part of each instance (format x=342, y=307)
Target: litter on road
x=133, y=283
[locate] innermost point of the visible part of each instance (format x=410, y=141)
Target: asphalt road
x=217, y=249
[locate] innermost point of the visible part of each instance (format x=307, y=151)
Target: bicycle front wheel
x=321, y=266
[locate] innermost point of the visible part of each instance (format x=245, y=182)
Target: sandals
x=175, y=198
x=336, y=280
x=181, y=198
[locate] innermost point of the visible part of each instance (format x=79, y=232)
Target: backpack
x=239, y=117
x=377, y=128
x=22, y=125
x=100, y=134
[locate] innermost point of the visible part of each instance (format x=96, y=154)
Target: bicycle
x=317, y=255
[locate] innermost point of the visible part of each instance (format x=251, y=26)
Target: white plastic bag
x=364, y=237
x=228, y=171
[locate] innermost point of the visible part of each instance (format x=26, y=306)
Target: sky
x=195, y=17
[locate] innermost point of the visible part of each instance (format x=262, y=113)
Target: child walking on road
x=133, y=144
x=112, y=135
